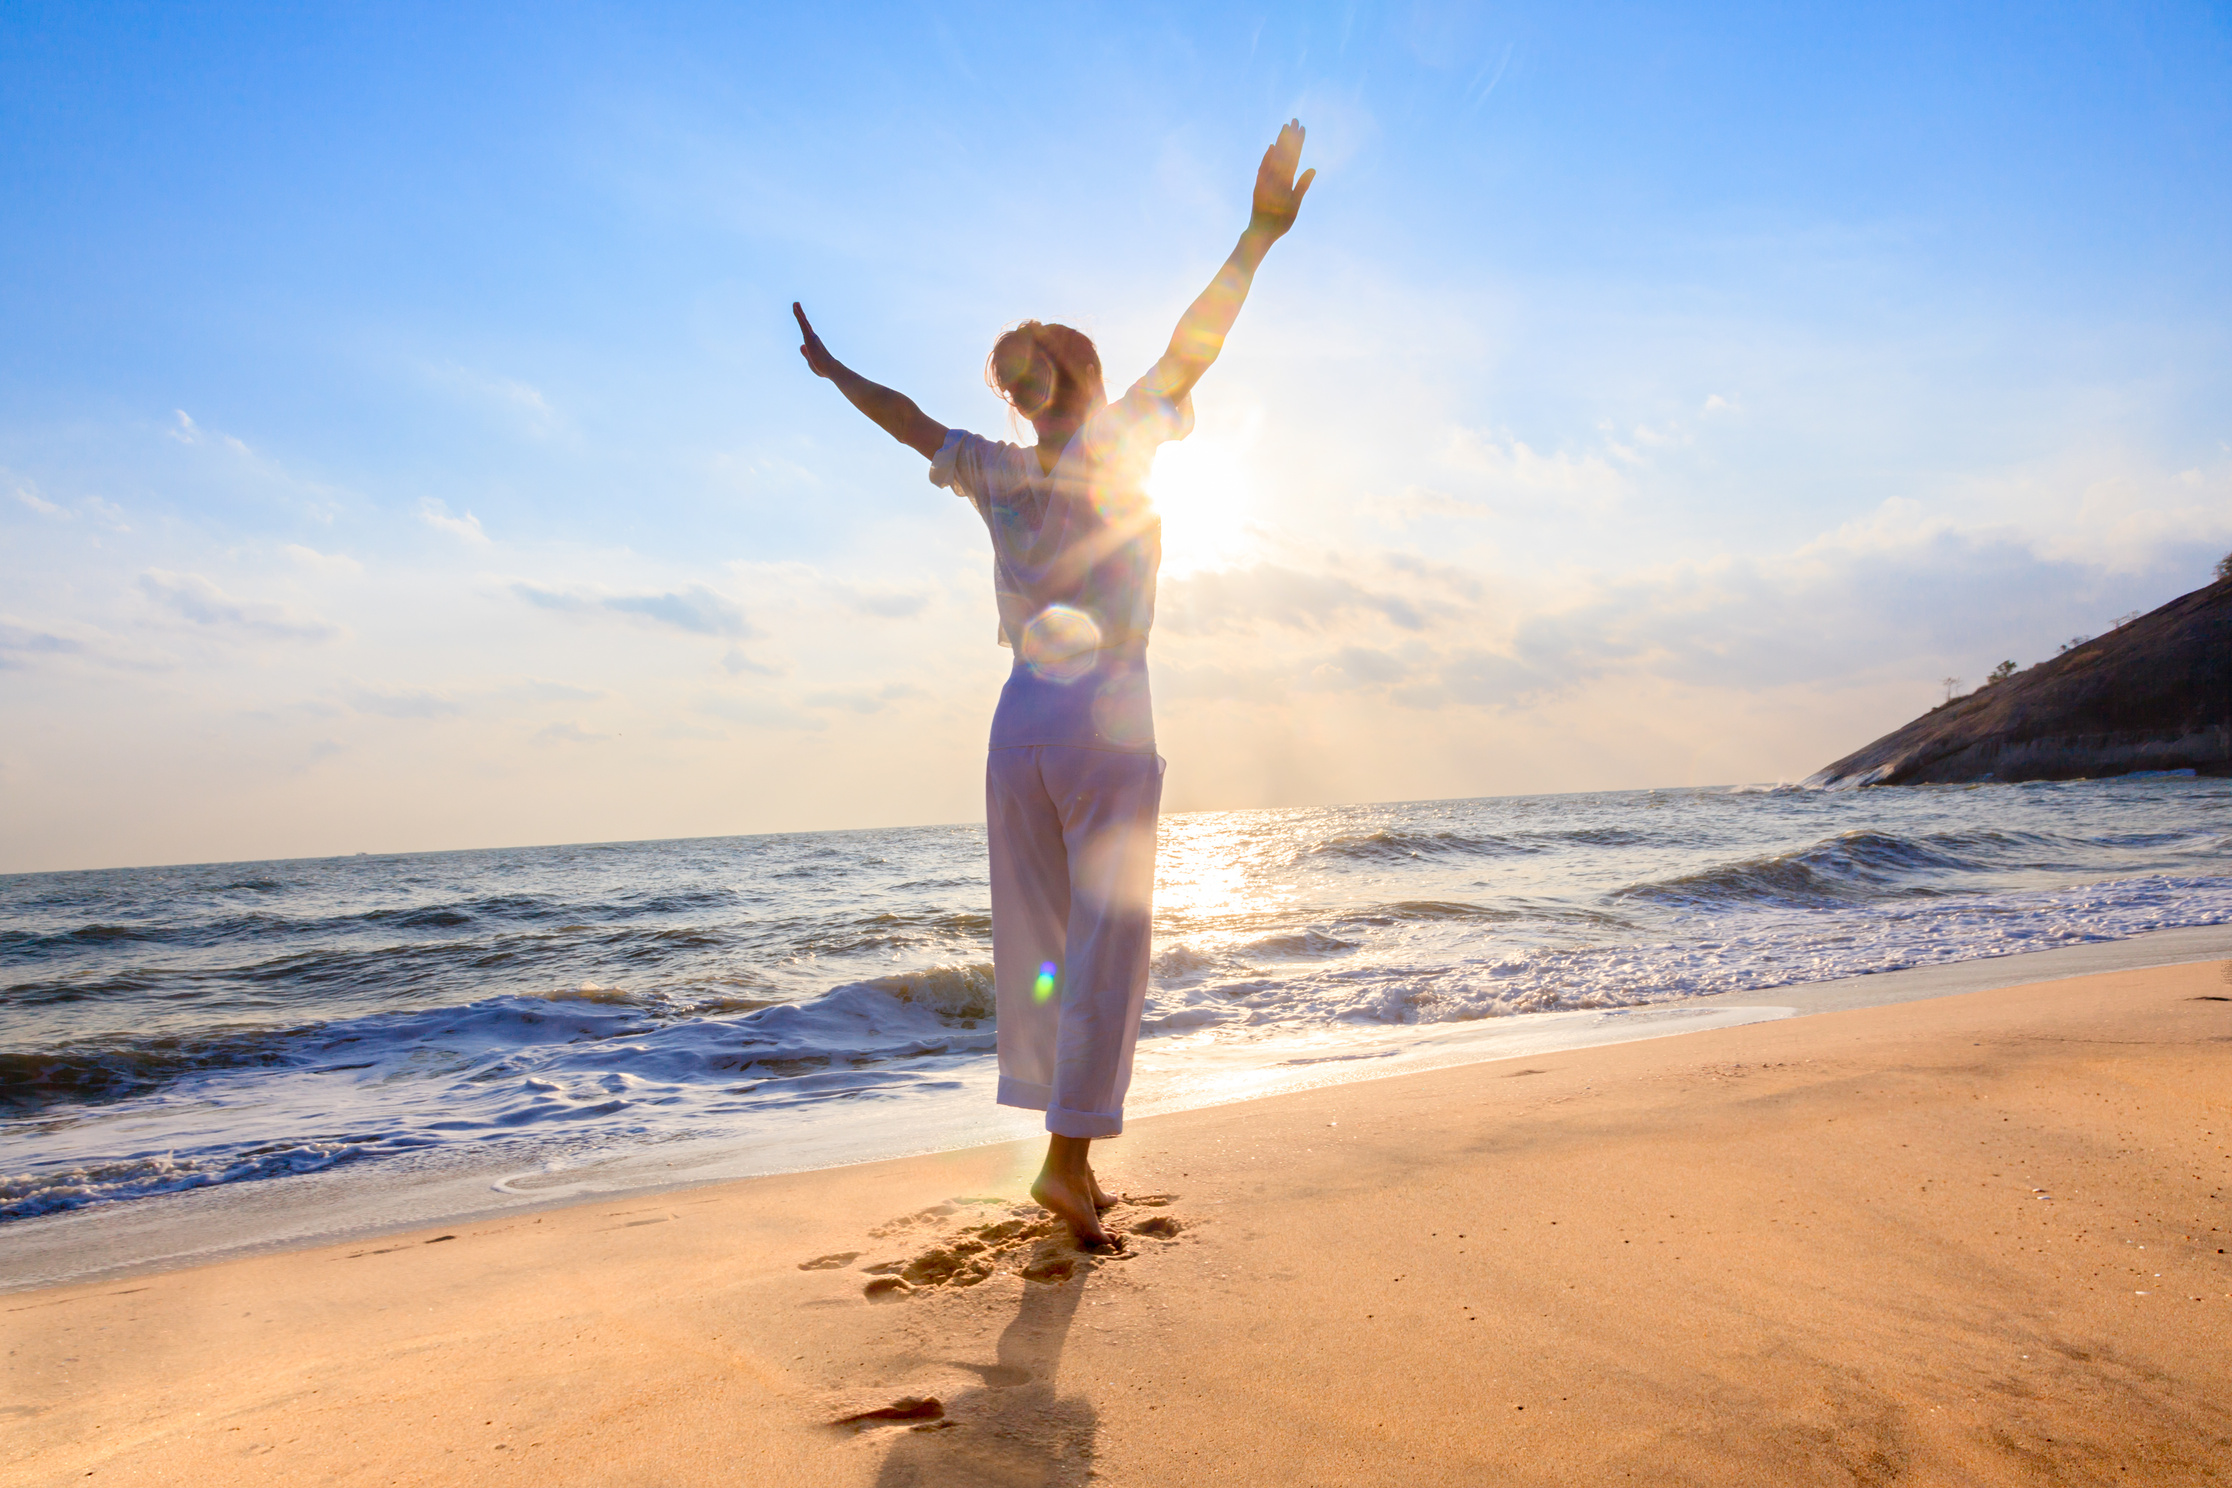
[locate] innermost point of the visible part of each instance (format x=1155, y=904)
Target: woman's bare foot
x=1065, y=1185
x=1102, y=1198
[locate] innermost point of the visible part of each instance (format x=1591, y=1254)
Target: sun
x=1204, y=487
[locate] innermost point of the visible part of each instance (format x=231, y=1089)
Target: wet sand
x=1975, y=1239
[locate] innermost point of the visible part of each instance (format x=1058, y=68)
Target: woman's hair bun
x=1068, y=352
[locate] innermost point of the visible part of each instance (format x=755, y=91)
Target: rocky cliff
x=2155, y=694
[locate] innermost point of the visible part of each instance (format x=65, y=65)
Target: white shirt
x=1083, y=535
x=1075, y=552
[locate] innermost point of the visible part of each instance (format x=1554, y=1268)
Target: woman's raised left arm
x=1202, y=329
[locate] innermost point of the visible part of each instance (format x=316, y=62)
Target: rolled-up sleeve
x=1178, y=416
x=1130, y=428
x=943, y=471
x=1153, y=419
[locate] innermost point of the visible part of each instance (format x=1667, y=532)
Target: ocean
x=530, y=1013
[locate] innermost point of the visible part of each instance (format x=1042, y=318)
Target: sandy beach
x=1980, y=1238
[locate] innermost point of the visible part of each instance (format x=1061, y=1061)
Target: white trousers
x=1073, y=884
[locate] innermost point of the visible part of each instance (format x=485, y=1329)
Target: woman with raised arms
x=1073, y=783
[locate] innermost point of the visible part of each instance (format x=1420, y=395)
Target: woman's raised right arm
x=1202, y=330
x=895, y=413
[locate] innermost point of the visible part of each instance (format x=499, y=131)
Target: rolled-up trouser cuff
x=1084, y=1123
x=1058, y=1121
x=1014, y=1092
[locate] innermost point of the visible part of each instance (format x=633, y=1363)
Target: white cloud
x=404, y=702
x=884, y=603
x=568, y=732
x=536, y=690
x=521, y=403
x=734, y=661
x=1249, y=598
x=864, y=699
x=1902, y=591
x=107, y=513
x=25, y=643
x=695, y=609
x=24, y=638
x=759, y=713
x=1360, y=666
x=1670, y=435
x=1417, y=503
x=239, y=468
x=195, y=599
x=1512, y=469
x=311, y=558
x=450, y=702
x=436, y=514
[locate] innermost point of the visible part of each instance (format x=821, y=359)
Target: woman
x=1073, y=783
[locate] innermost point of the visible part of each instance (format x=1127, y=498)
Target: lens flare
x=1061, y=643
x=1122, y=712
x=1044, y=987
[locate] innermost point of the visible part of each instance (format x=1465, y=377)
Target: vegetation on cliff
x=2153, y=694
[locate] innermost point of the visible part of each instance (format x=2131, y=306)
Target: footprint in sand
x=935, y=1214
x=1025, y=1239
x=837, y=1262
x=908, y=1408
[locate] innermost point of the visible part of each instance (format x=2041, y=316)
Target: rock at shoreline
x=2155, y=694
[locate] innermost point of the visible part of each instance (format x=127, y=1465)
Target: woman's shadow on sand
x=1013, y=1431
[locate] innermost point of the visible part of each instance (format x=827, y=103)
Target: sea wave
x=32, y=1080
x=879, y=1017
x=1308, y=941
x=264, y=927
x=1850, y=867
x=1603, y=837
x=1428, y=909
x=1861, y=865
x=221, y=1024
x=1397, y=846
x=74, y=1186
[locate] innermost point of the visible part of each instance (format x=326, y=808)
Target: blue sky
x=403, y=444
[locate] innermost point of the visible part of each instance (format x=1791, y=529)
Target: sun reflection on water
x=1219, y=868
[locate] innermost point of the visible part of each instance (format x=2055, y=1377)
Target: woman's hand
x=1278, y=195
x=817, y=355
x=1202, y=329
x=895, y=413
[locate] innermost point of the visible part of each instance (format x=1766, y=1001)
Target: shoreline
x=1978, y=1237
x=221, y=1222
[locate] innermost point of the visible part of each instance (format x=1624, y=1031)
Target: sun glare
x=1204, y=488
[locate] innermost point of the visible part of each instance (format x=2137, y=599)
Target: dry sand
x=1979, y=1239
